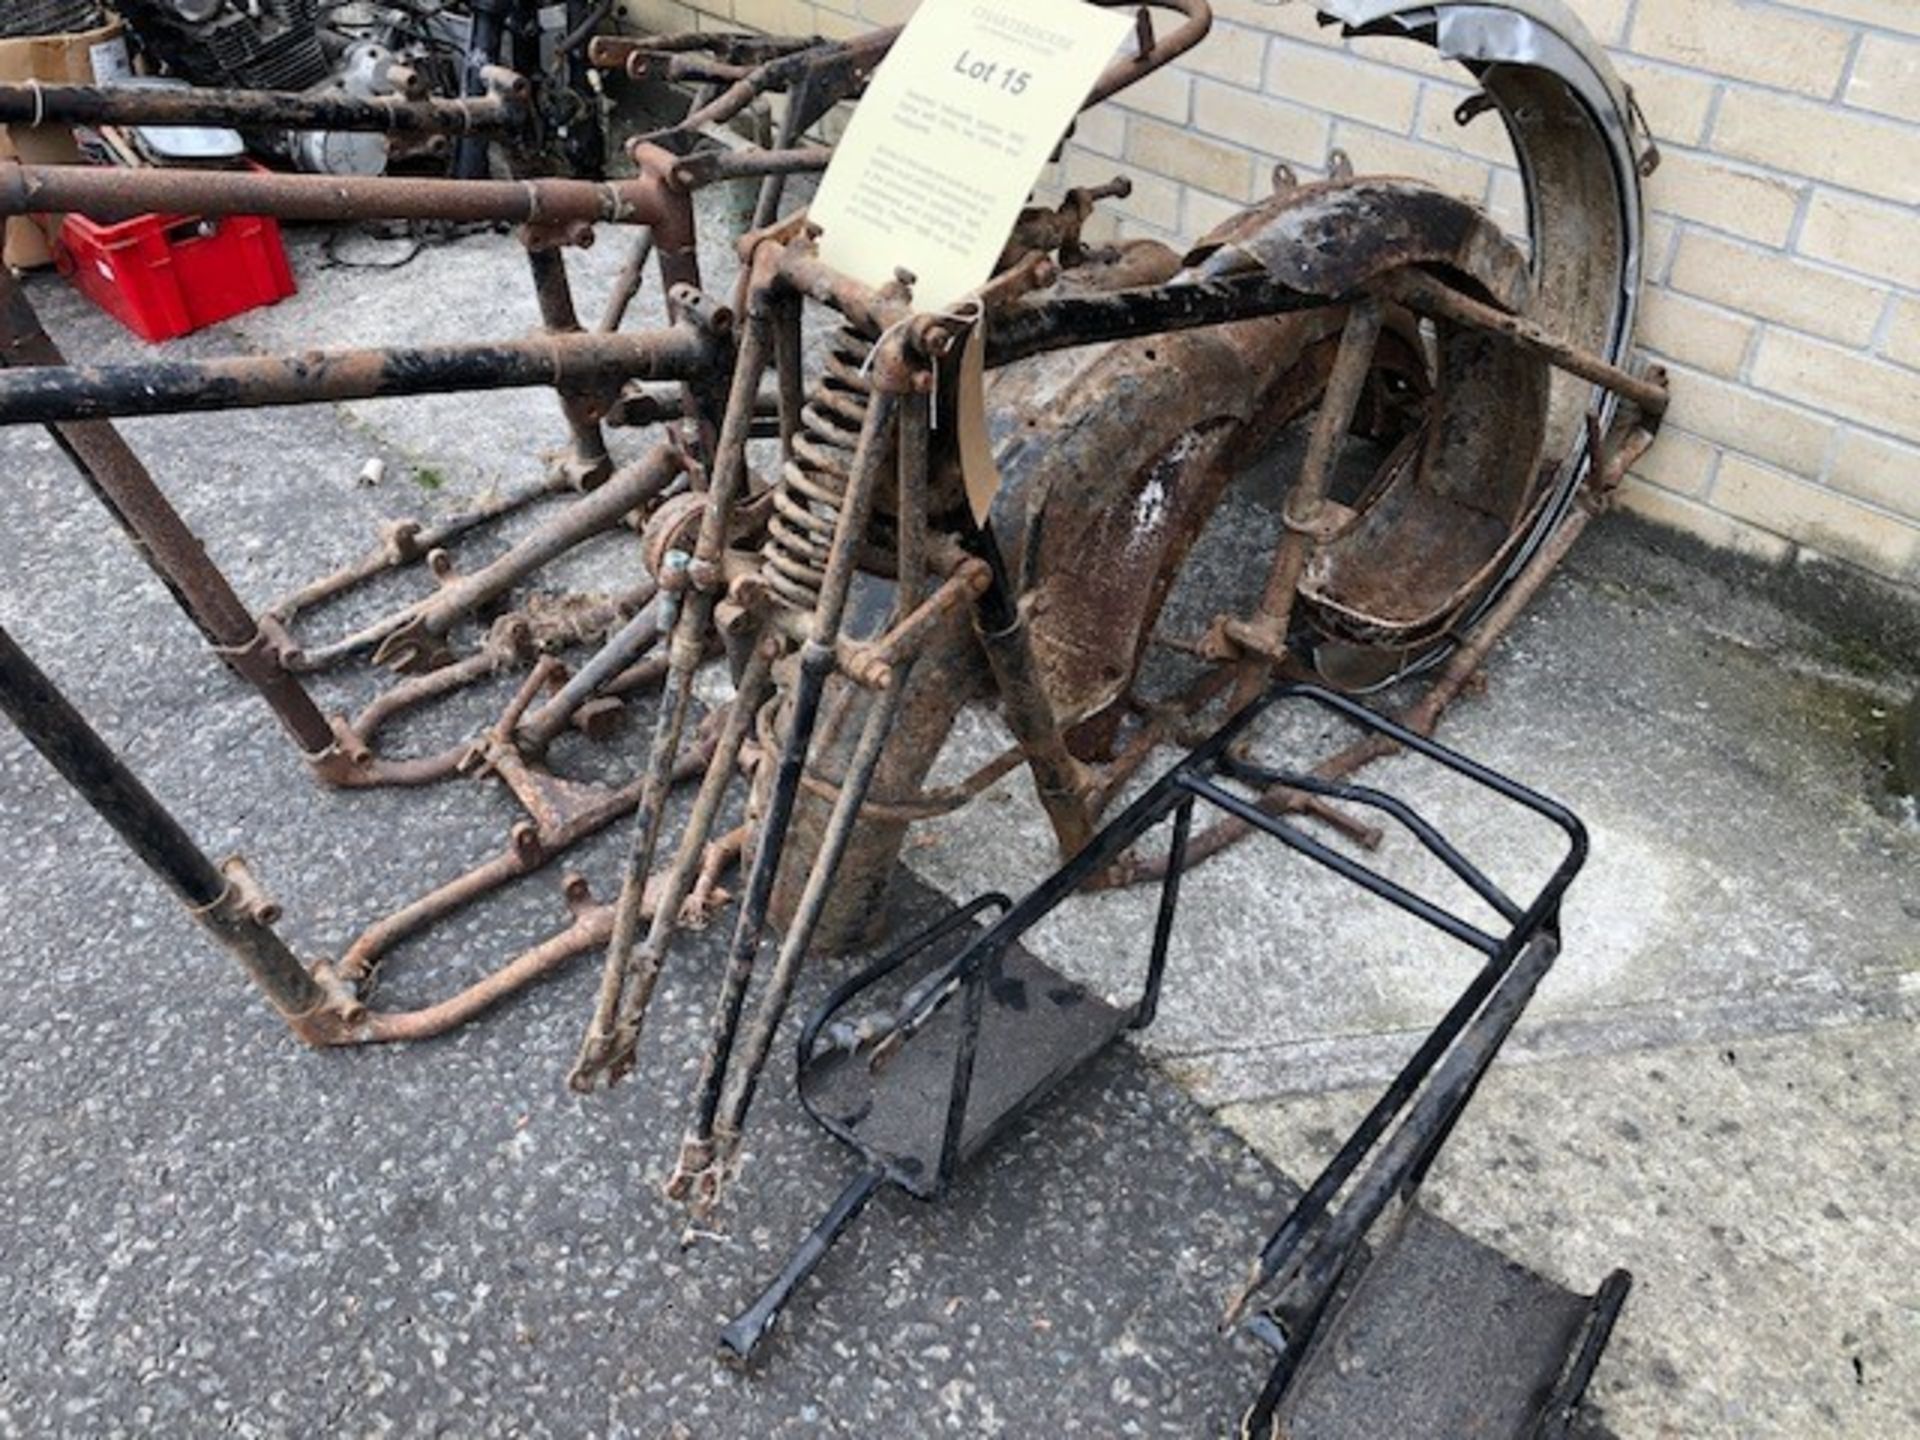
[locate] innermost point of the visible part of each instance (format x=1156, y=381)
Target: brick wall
x=1784, y=255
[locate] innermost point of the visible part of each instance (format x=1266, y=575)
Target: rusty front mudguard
x=1583, y=151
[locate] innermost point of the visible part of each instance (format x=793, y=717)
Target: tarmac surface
x=203, y=1227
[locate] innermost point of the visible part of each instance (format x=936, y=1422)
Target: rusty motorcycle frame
x=1493, y=377
x=674, y=378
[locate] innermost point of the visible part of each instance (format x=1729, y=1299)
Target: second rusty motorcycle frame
x=1490, y=377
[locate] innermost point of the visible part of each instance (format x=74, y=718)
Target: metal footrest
x=1383, y=1320
x=1036, y=1028
x=1440, y=1337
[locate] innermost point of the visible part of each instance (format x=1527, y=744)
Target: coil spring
x=813, y=482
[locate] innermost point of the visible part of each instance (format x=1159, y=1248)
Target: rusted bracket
x=1422, y=292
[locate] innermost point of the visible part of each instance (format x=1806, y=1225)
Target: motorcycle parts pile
x=858, y=599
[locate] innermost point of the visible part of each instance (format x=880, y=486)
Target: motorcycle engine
x=251, y=45
x=306, y=45
x=48, y=17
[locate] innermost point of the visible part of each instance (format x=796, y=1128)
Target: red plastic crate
x=168, y=275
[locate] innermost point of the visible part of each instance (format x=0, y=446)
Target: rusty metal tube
x=119, y=194
x=1420, y=292
x=401, y=543
x=756, y=684
x=383, y=1027
x=260, y=109
x=49, y=395
x=553, y=291
x=641, y=633
x=59, y=732
x=171, y=550
x=1059, y=322
x=693, y=1173
x=744, y=1069
x=633, y=273
x=1197, y=19
x=1265, y=637
x=607, y=1047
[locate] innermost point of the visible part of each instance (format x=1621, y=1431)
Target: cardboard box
x=57, y=59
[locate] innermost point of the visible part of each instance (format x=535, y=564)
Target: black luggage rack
x=1414, y=1331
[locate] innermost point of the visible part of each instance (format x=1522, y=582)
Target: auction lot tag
x=954, y=130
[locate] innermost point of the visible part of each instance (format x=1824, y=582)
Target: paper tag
x=978, y=469
x=110, y=62
x=945, y=147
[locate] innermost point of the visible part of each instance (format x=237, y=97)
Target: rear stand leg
x=747, y=1332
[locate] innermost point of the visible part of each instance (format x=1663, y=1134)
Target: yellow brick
x=1735, y=418
x=1776, y=287
x=1903, y=340
x=1828, y=522
x=1841, y=147
x=1841, y=382
x=1720, y=531
x=1102, y=228
x=1205, y=212
x=1880, y=472
x=1296, y=19
x=1235, y=53
x=1901, y=15
x=1878, y=240
x=1485, y=137
x=1663, y=233
x=888, y=12
x=1745, y=42
x=775, y=17
x=1695, y=187
x=1676, y=102
x=1270, y=128
x=1154, y=201
x=1886, y=77
x=1342, y=85
x=1694, y=334
x=1102, y=130
x=1679, y=462
x=1163, y=94
x=838, y=26
x=1607, y=19
x=1375, y=152
x=1186, y=156
x=1131, y=229
x=660, y=17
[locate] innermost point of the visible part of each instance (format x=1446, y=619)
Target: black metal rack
x=920, y=1085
